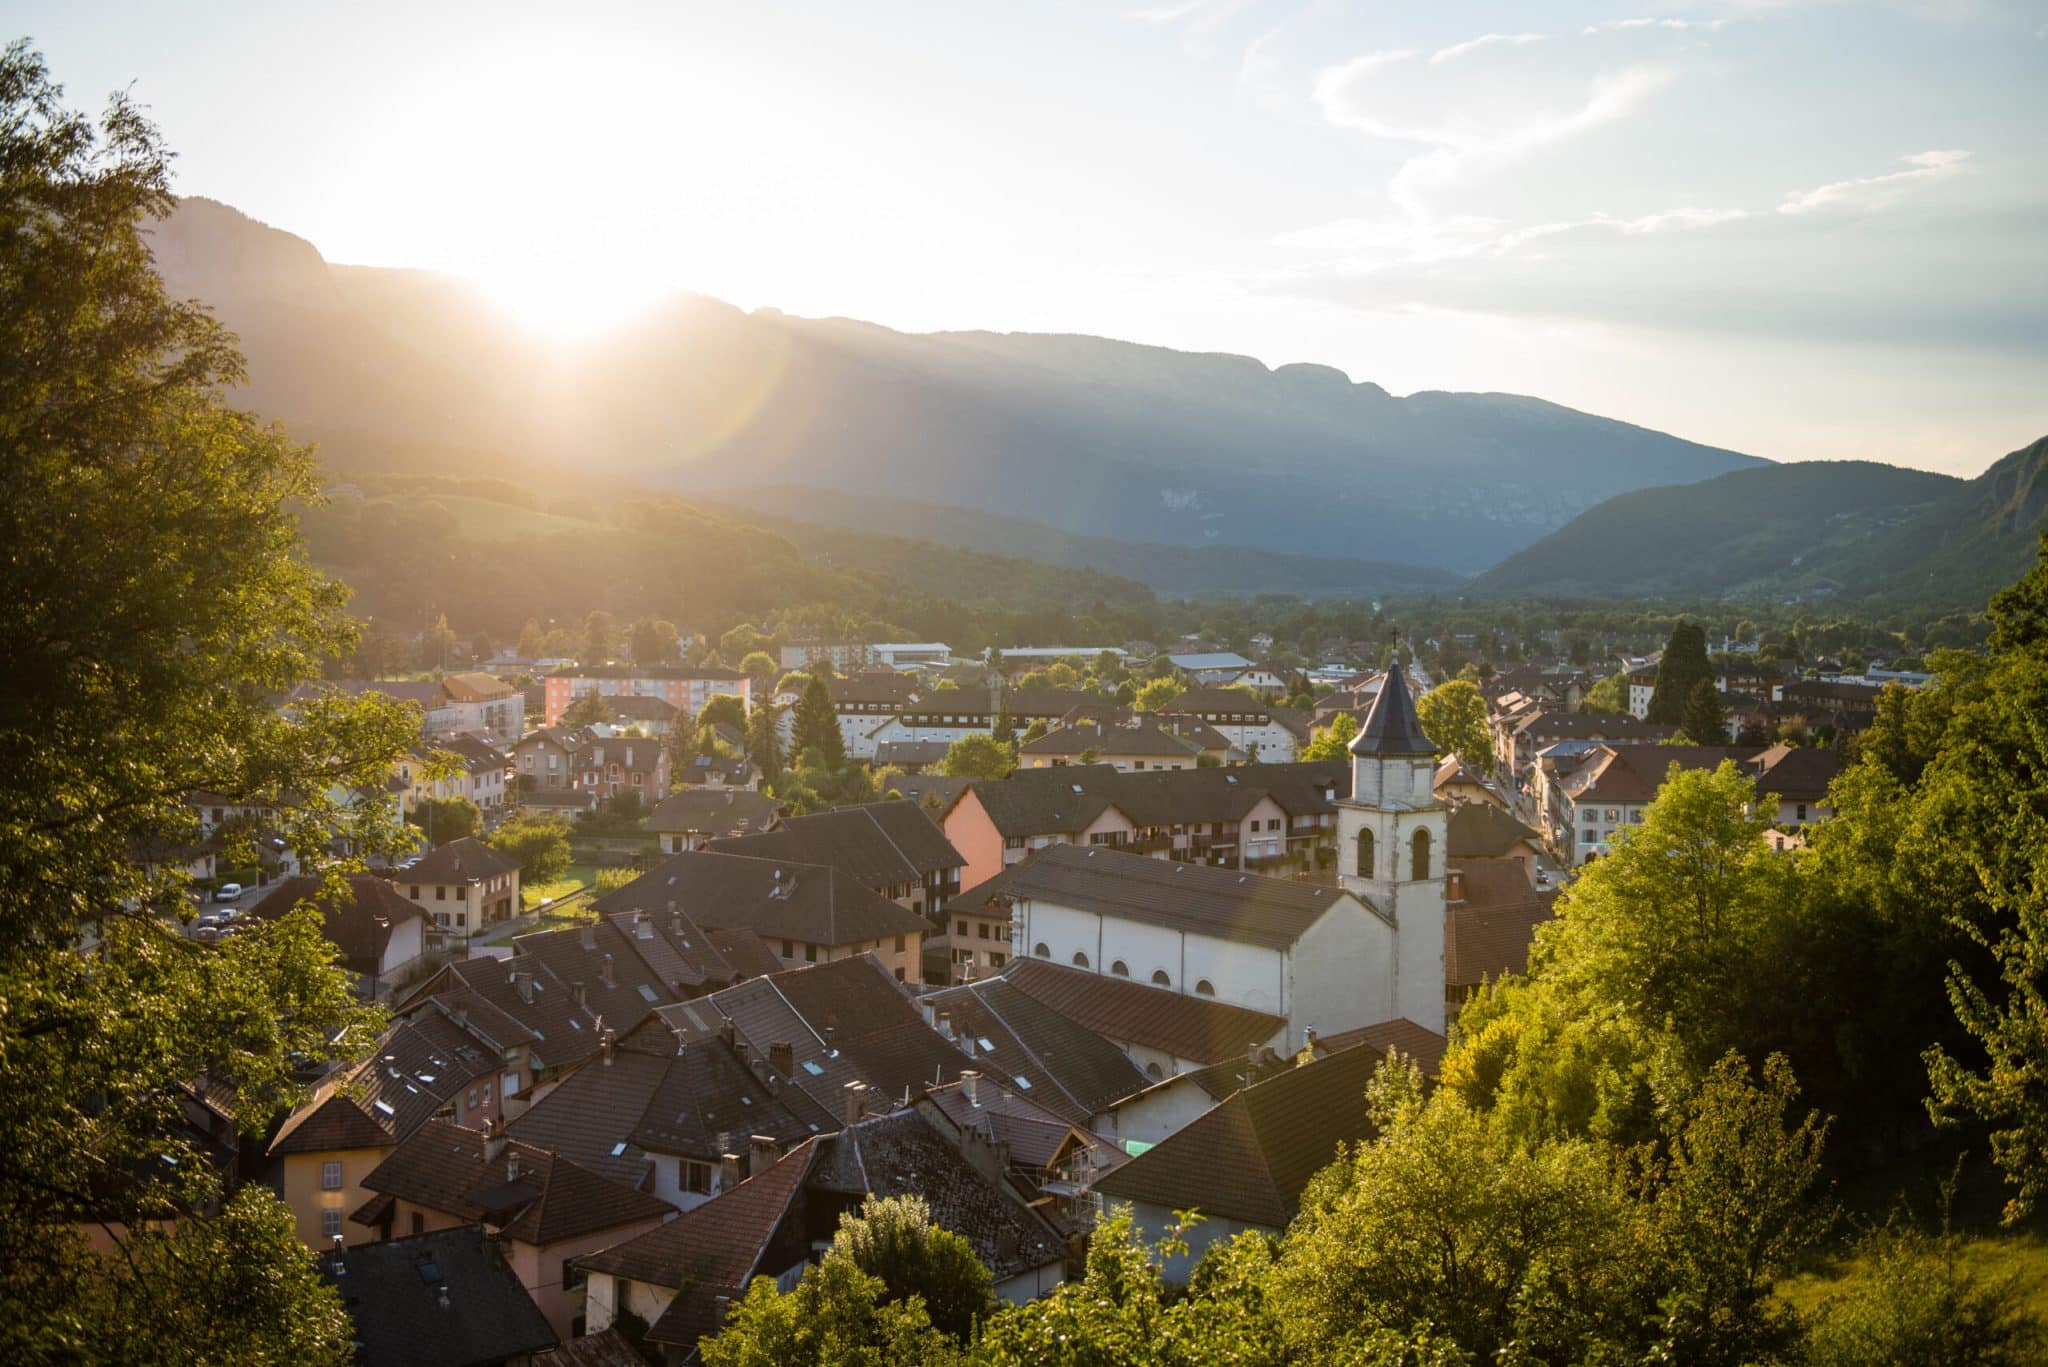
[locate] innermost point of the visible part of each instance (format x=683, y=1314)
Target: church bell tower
x=1391, y=844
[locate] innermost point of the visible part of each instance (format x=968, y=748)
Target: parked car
x=228, y=892
x=228, y=915
x=206, y=935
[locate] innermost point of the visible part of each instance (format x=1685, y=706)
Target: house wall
x=1029, y=1286
x=539, y=1268
x=1157, y=1112
x=401, y=953
x=972, y=833
x=605, y=1295
x=300, y=1180
x=1244, y=975
x=1153, y=1222
x=1345, y=970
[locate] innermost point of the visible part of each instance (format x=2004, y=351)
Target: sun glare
x=565, y=300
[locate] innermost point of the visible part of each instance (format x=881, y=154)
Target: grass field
x=486, y=520
x=574, y=879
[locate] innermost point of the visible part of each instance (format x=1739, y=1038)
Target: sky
x=1801, y=229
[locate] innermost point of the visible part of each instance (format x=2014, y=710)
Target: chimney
x=511, y=1167
x=1251, y=1055
x=967, y=1044
x=856, y=1101
x=782, y=1057
x=744, y=1052
x=494, y=1139
x=1308, y=1037
x=1454, y=885
x=441, y=1294
x=726, y=1031
x=970, y=1086
x=728, y=1171
x=522, y=981
x=587, y=935
x=604, y=1045
x=605, y=970
x=579, y=992
x=761, y=1153
x=946, y=1024
x=931, y=1012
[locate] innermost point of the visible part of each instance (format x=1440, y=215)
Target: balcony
x=1150, y=844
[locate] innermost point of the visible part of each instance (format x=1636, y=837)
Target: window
x=511, y=1086
x=636, y=784
x=1802, y=811
x=995, y=960
x=981, y=930
x=440, y=894
x=900, y=944
x=330, y=1224
x=1420, y=847
x=960, y=929
x=788, y=949
x=899, y=975
x=415, y=891
x=472, y=1098
x=330, y=1176
x=1155, y=1072
x=1366, y=865
x=696, y=1177
x=1080, y=959
x=1042, y=950
x=462, y=920
x=1159, y=977
x=810, y=953
x=419, y=1222
x=1205, y=988
x=1120, y=968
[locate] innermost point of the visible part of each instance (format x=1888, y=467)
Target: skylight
x=811, y=1067
x=986, y=1046
x=618, y=1148
x=383, y=1108
x=1023, y=1083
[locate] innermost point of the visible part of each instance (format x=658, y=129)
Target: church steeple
x=1391, y=726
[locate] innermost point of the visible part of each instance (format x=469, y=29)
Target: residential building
x=612, y=764
x=1494, y=912
x=465, y=886
x=381, y=935
x=684, y=820
x=864, y=702
x=1140, y=744
x=479, y=772
x=1613, y=786
x=894, y=848
x=1163, y=1032
x=1797, y=778
x=845, y=656
x=1207, y=667
x=1026, y=1047
x=550, y=758
x=911, y=654
x=1480, y=830
x=683, y=687
x=716, y=773
x=1257, y=729
x=486, y=706
x=445, y=1297
x=1457, y=783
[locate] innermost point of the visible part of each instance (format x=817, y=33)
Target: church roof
x=1391, y=726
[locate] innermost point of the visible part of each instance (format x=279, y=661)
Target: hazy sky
x=1798, y=228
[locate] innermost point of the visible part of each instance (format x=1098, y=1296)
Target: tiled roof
x=1028, y=1047
x=1489, y=933
x=530, y=1194
x=1480, y=830
x=1035, y=1135
x=1249, y=1157
x=708, y=1102
x=430, y=1300
x=713, y=770
x=1797, y=773
x=725, y=811
x=778, y=899
x=749, y=955
x=880, y=844
x=1195, y=1028
x=1150, y=741
x=1413, y=1041
x=909, y=753
x=641, y=707
x=1215, y=702
x=1248, y=908
x=535, y=1008
x=1047, y=801
x=606, y=1349
x=417, y=1067
x=476, y=686
x=1634, y=773
x=467, y=860
x=359, y=924
x=885, y=687
x=423, y=693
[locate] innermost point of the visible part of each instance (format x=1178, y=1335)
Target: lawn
x=574, y=879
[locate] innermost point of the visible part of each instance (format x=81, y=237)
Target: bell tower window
x=1420, y=846
x=1365, y=862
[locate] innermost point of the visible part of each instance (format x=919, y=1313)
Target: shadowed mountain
x=1096, y=437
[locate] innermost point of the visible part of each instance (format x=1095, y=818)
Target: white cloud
x=1619, y=25
x=1457, y=50
x=1876, y=191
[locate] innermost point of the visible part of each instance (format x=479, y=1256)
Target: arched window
x=1041, y=951
x=1365, y=864
x=1421, y=847
x=1080, y=959
x=1205, y=988
x=1120, y=968
x=1155, y=1072
x=1159, y=977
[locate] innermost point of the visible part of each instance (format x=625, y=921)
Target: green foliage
x=1610, y=695
x=894, y=1240
x=442, y=819
x=540, y=843
x=764, y=741
x=591, y=709
x=1679, y=672
x=600, y=637
x=533, y=642
x=838, y=1314
x=1157, y=693
x=1333, y=741
x=758, y=665
x=817, y=725
x=724, y=709
x=155, y=599
x=1706, y=720
x=1916, y=1303
x=1453, y=715
x=978, y=756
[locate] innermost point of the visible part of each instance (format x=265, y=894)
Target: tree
x=1334, y=741
x=724, y=709
x=816, y=725
x=155, y=597
x=438, y=643
x=1036, y=730
x=652, y=641
x=764, y=741
x=600, y=637
x=759, y=666
x=1158, y=693
x=681, y=740
x=1680, y=670
x=533, y=642
x=978, y=756
x=894, y=1240
x=742, y=641
x=1706, y=720
x=837, y=1314
x=1003, y=733
x=539, y=843
x=1610, y=696
x=446, y=818
x=1453, y=715
x=590, y=709
x=481, y=648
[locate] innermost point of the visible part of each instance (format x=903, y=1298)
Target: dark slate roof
x=1197, y=1028
x=528, y=1193
x=1391, y=726
x=1198, y=899
x=883, y=687
x=1480, y=830
x=777, y=899
x=1211, y=703
x=1797, y=773
x=936, y=793
x=641, y=707
x=417, y=1067
x=607, y=1349
x=909, y=753
x=715, y=811
x=880, y=843
x=446, y=1299
x=1026, y=1046
x=1249, y=1157
x=467, y=860
x=1035, y=1135
x=1148, y=740
x=359, y=924
x=1047, y=801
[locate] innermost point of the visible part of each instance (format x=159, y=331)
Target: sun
x=571, y=296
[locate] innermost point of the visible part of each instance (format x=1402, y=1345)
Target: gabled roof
x=884, y=687
x=476, y=686
x=1149, y=740
x=1489, y=933
x=1213, y=702
x=1391, y=726
x=1247, y=908
x=1047, y=801
x=528, y=1193
x=467, y=860
x=1035, y=1135
x=1425, y=1046
x=416, y=1067
x=1797, y=773
x=1249, y=1157
x=1634, y=773
x=724, y=811
x=1480, y=830
x=358, y=923
x=880, y=844
x=777, y=899
x=1026, y=1046
x=445, y=1299
x=1196, y=1028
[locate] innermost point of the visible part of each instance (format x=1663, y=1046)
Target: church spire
x=1391, y=726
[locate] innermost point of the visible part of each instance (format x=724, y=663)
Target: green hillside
x=1845, y=530
x=1173, y=571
